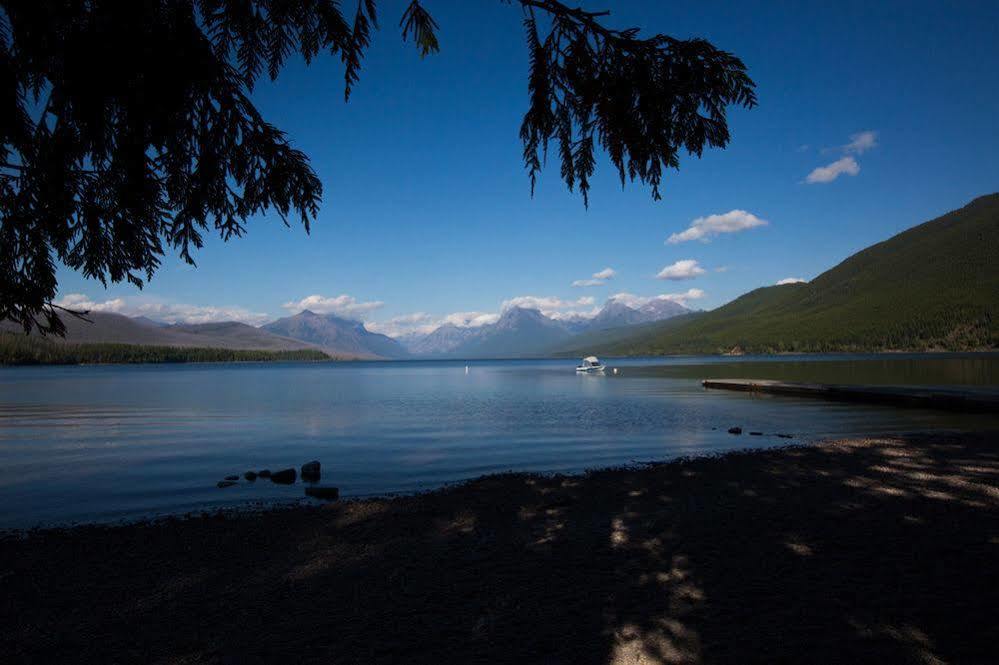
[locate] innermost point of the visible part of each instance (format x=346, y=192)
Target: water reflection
x=84, y=443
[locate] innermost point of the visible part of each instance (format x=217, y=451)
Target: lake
x=104, y=443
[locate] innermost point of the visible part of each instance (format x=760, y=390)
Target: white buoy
x=466, y=369
x=615, y=370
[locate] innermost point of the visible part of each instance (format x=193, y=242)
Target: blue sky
x=427, y=209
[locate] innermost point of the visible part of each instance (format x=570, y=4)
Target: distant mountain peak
x=338, y=336
x=524, y=331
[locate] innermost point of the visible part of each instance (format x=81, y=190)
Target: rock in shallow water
x=328, y=493
x=311, y=470
x=232, y=477
x=264, y=473
x=225, y=483
x=756, y=434
x=735, y=430
x=250, y=475
x=284, y=476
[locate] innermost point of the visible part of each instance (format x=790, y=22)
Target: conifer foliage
x=127, y=130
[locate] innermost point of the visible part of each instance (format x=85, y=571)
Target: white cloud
x=575, y=314
x=471, y=319
x=166, y=312
x=705, y=228
x=791, y=280
x=630, y=299
x=406, y=324
x=682, y=298
x=633, y=301
x=342, y=305
x=684, y=269
x=551, y=306
x=861, y=142
x=599, y=278
x=548, y=305
x=78, y=301
x=830, y=172
x=421, y=323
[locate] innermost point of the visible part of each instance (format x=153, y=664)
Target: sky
x=872, y=118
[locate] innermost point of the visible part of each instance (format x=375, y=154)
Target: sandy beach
x=877, y=550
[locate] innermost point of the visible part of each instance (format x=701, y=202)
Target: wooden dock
x=935, y=397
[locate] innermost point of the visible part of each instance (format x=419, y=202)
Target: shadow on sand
x=861, y=551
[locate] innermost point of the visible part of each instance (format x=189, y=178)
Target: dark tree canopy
x=128, y=131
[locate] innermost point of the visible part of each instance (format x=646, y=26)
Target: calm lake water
x=103, y=443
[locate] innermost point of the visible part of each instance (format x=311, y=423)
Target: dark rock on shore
x=735, y=430
x=284, y=476
x=250, y=475
x=328, y=493
x=225, y=483
x=311, y=470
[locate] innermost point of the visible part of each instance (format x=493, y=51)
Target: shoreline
x=863, y=550
x=743, y=357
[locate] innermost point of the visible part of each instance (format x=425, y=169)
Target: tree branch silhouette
x=127, y=130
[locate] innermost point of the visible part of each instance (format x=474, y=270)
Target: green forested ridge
x=23, y=350
x=934, y=286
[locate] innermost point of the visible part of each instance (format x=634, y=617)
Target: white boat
x=590, y=365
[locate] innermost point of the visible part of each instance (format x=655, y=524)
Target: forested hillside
x=933, y=287
x=24, y=350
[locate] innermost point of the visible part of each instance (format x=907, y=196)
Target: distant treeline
x=22, y=350
x=960, y=332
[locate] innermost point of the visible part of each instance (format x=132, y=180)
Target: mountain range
x=519, y=332
x=336, y=335
x=522, y=332
x=932, y=287
x=110, y=328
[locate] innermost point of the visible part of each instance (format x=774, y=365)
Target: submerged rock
x=250, y=475
x=264, y=473
x=328, y=493
x=311, y=470
x=756, y=434
x=735, y=430
x=786, y=436
x=284, y=476
x=232, y=477
x=225, y=483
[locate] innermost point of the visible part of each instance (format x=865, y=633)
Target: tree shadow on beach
x=880, y=552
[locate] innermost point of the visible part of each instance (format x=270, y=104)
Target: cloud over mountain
x=166, y=312
x=550, y=306
x=421, y=323
x=342, y=305
x=634, y=301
